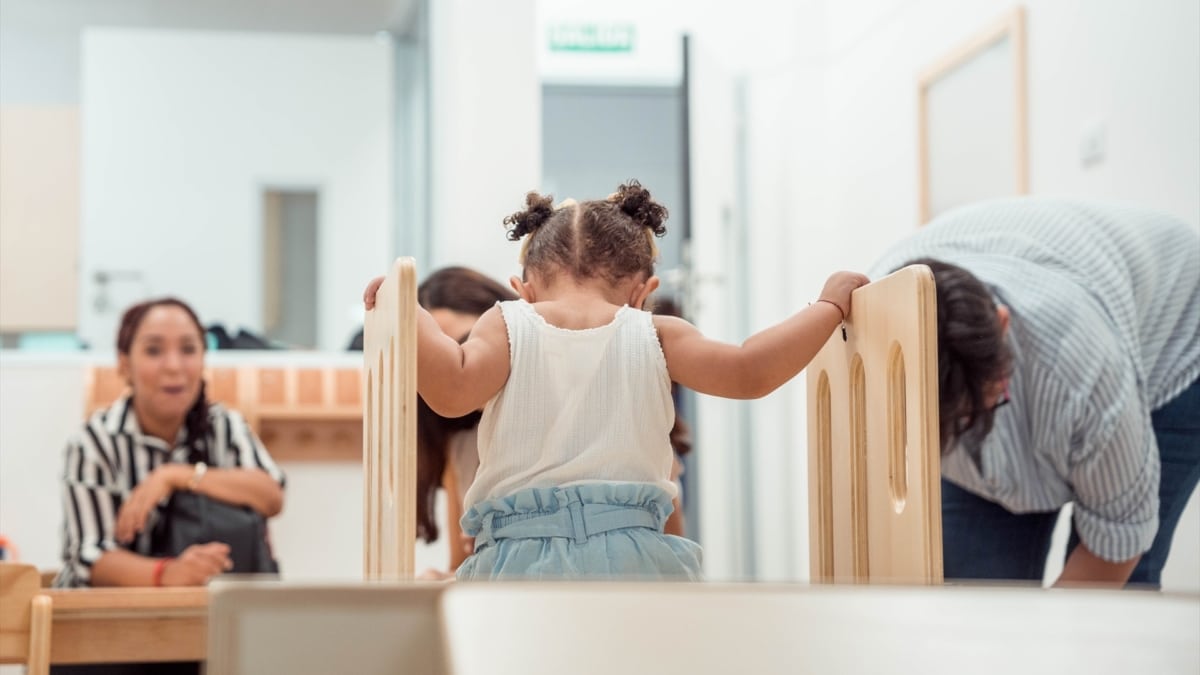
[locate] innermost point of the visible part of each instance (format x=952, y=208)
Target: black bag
x=189, y=518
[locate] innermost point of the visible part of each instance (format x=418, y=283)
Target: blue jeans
x=983, y=540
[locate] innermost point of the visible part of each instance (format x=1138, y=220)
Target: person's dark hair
x=598, y=238
x=972, y=352
x=196, y=421
x=681, y=434
x=461, y=290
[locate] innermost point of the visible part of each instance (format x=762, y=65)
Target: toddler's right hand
x=372, y=289
x=839, y=286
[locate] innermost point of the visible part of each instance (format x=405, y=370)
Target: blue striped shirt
x=1105, y=328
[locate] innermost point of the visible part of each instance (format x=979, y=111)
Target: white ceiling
x=307, y=16
x=39, y=39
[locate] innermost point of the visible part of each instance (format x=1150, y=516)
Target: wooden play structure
x=873, y=449
x=390, y=427
x=25, y=615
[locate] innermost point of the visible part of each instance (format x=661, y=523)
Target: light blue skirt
x=592, y=531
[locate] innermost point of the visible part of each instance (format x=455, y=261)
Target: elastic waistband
x=570, y=518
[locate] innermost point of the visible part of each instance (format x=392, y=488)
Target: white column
x=485, y=118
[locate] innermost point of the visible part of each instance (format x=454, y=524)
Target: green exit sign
x=592, y=37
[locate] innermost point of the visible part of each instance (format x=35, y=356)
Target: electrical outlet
x=1092, y=144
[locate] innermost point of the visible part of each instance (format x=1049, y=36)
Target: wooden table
x=128, y=625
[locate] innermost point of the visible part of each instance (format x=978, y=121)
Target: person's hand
x=838, y=288
x=431, y=574
x=197, y=564
x=159, y=485
x=372, y=289
x=467, y=542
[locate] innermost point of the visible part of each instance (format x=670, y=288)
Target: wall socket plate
x=1093, y=143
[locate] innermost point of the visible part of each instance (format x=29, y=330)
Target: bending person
x=1068, y=358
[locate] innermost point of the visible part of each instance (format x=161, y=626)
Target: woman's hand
x=197, y=564
x=372, y=289
x=431, y=574
x=159, y=485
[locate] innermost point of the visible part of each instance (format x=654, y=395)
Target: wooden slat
x=390, y=427
x=223, y=386
x=874, y=469
x=349, y=389
x=310, y=386
x=272, y=388
x=107, y=386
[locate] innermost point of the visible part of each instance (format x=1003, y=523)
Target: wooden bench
x=24, y=618
x=129, y=625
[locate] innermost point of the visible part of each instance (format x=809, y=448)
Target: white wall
x=183, y=130
x=318, y=535
x=1134, y=66
x=485, y=118
x=831, y=153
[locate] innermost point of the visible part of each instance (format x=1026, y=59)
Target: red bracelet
x=839, y=307
x=159, y=568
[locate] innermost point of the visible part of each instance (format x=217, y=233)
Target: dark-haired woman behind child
x=575, y=385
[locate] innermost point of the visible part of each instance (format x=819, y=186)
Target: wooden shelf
x=301, y=413
x=309, y=413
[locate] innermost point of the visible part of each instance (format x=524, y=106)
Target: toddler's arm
x=456, y=379
x=766, y=359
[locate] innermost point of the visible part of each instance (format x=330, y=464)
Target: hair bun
x=635, y=201
x=538, y=210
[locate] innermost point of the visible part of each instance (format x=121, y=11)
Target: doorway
x=290, y=270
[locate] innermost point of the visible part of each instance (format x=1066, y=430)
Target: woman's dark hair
x=681, y=434
x=603, y=237
x=196, y=421
x=972, y=353
x=461, y=290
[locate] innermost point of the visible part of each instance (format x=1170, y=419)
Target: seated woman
x=161, y=438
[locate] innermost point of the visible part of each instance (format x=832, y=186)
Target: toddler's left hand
x=372, y=289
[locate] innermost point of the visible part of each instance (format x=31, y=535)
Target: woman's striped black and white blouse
x=111, y=455
x=1105, y=328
